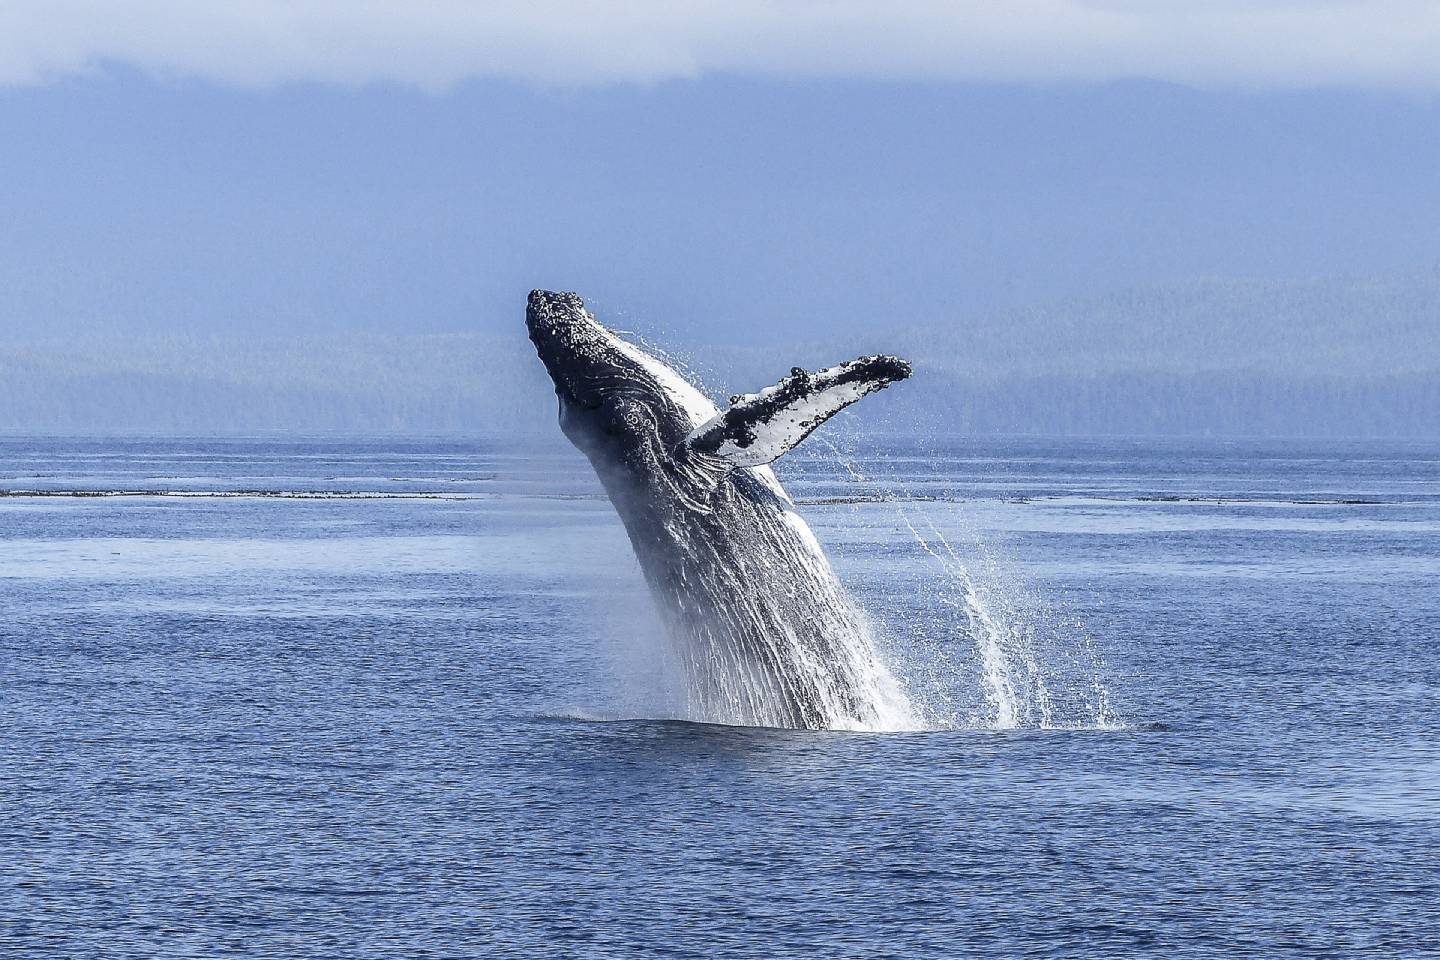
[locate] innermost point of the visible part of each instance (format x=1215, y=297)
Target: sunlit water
x=1180, y=700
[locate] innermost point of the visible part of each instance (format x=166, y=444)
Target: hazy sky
x=740, y=166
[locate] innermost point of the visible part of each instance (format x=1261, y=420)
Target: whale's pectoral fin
x=759, y=427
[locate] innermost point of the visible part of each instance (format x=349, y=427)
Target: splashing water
x=1035, y=668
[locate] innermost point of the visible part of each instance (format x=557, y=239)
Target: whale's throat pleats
x=765, y=632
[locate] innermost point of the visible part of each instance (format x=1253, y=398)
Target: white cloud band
x=1387, y=44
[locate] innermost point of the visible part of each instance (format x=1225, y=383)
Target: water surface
x=325, y=698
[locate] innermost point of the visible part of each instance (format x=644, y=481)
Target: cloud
x=433, y=44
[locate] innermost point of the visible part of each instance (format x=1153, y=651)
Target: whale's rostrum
x=765, y=632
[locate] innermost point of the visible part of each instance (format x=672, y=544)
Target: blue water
x=399, y=699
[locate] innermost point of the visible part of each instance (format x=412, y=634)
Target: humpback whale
x=765, y=632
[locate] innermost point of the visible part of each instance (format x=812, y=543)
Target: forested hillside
x=1327, y=357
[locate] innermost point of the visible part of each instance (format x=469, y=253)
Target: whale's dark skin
x=763, y=627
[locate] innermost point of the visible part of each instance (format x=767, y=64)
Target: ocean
x=381, y=698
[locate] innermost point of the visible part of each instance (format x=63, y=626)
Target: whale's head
x=617, y=402
x=628, y=409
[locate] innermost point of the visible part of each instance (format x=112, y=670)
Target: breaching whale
x=765, y=632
